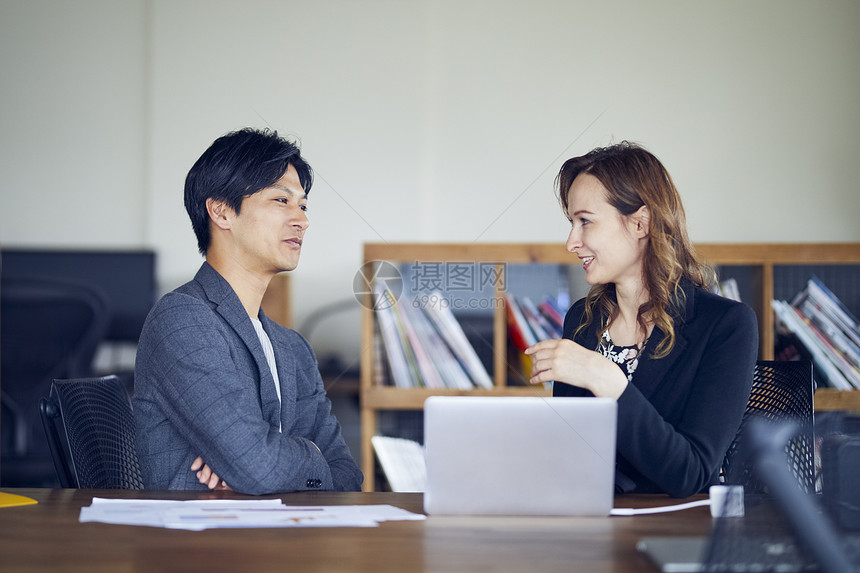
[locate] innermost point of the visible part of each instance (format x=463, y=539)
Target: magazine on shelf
x=835, y=355
x=429, y=374
x=392, y=338
x=381, y=370
x=540, y=325
x=832, y=307
x=534, y=324
x=551, y=311
x=826, y=330
x=440, y=356
x=849, y=351
x=527, y=326
x=517, y=325
x=789, y=318
x=426, y=348
x=452, y=332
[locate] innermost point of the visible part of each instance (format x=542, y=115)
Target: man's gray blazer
x=203, y=388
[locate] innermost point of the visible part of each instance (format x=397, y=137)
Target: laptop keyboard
x=758, y=555
x=759, y=544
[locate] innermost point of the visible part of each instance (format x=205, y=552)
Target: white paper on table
x=380, y=512
x=197, y=515
x=150, y=511
x=197, y=518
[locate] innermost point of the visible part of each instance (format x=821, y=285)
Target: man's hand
x=207, y=477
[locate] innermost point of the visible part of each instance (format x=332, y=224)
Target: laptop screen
x=519, y=455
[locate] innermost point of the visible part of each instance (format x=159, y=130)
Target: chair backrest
x=49, y=329
x=781, y=392
x=90, y=429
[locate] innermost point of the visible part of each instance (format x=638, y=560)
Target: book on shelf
x=402, y=461
x=826, y=330
x=426, y=346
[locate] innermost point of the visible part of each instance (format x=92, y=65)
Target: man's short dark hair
x=235, y=166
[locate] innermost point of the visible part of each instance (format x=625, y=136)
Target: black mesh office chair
x=781, y=391
x=90, y=429
x=48, y=329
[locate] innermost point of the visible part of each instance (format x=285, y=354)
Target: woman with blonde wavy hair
x=678, y=359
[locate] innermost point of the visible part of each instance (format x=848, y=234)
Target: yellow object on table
x=13, y=500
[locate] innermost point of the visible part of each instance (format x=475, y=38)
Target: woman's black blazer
x=680, y=413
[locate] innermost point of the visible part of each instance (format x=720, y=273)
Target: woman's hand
x=207, y=477
x=563, y=360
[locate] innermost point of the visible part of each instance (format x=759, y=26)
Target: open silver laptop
x=519, y=456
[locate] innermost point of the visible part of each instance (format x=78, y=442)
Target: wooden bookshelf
x=276, y=301
x=760, y=258
x=830, y=399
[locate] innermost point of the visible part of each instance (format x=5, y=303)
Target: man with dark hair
x=224, y=397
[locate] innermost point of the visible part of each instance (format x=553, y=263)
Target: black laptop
x=784, y=530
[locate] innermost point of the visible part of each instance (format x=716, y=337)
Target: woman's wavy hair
x=634, y=177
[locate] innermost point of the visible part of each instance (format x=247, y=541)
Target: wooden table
x=48, y=537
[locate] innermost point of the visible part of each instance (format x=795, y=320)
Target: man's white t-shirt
x=269, y=351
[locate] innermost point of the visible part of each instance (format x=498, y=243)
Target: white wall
x=424, y=121
x=72, y=123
